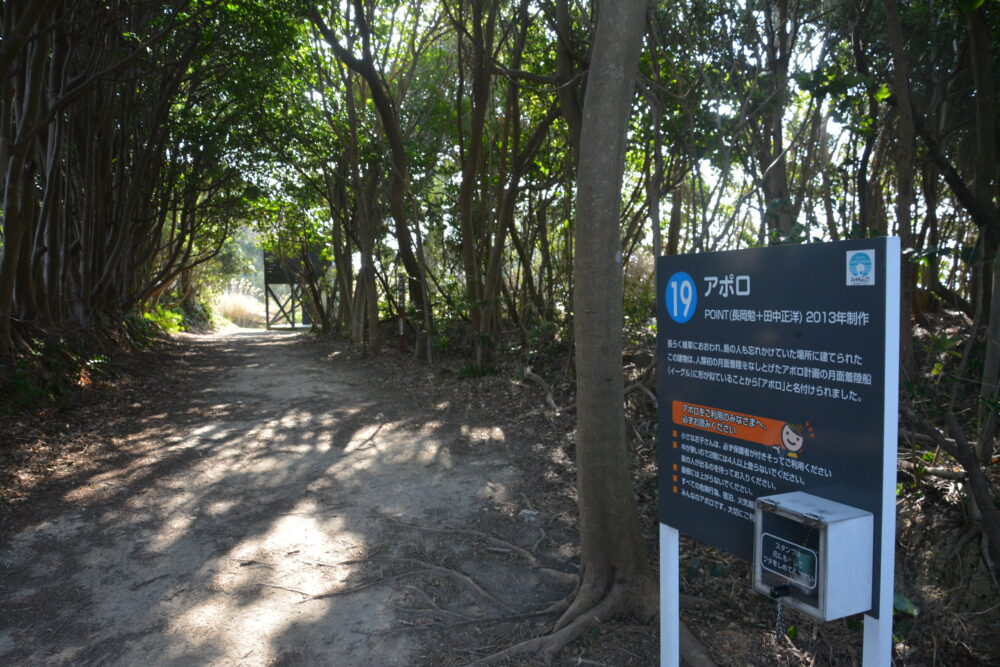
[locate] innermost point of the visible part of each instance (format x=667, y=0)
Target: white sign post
x=670, y=596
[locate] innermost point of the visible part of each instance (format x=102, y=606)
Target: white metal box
x=820, y=549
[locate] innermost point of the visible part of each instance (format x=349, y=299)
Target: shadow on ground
x=276, y=508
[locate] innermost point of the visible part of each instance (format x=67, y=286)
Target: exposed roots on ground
x=500, y=546
x=475, y=591
x=591, y=608
x=367, y=584
x=546, y=387
x=549, y=646
x=554, y=608
x=693, y=652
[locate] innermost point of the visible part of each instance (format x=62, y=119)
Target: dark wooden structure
x=279, y=271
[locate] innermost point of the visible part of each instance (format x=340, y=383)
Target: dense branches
x=126, y=151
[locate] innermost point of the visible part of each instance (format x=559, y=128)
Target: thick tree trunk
x=986, y=186
x=991, y=371
x=22, y=108
x=611, y=542
x=13, y=238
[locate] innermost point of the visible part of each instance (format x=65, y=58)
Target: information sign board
x=771, y=379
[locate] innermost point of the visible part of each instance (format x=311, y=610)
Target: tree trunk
x=399, y=181
x=863, y=185
x=985, y=187
x=568, y=90
x=366, y=241
x=611, y=541
x=778, y=215
x=991, y=372
x=655, y=177
x=676, y=219
x=904, y=180
x=471, y=157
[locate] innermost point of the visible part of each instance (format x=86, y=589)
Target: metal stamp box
x=821, y=549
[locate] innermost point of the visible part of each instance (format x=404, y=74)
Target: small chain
x=779, y=629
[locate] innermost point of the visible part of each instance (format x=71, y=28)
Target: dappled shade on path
x=272, y=481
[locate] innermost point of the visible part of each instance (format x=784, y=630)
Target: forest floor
x=265, y=498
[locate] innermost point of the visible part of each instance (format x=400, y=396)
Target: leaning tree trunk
x=611, y=543
x=399, y=181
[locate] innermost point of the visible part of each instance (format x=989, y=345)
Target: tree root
x=639, y=386
x=587, y=598
x=537, y=379
x=563, y=577
x=466, y=621
x=991, y=567
x=530, y=557
x=286, y=588
x=368, y=584
x=980, y=493
x=693, y=652
x=577, y=620
x=434, y=607
x=550, y=645
x=470, y=585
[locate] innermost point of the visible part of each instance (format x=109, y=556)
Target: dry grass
x=240, y=308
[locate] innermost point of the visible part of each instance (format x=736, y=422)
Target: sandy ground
x=248, y=511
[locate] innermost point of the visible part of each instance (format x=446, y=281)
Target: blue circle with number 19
x=681, y=297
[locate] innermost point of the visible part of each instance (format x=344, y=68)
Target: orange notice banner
x=731, y=424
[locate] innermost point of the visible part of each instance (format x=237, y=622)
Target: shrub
x=167, y=320
x=48, y=371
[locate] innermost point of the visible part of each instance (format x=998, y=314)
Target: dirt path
x=255, y=520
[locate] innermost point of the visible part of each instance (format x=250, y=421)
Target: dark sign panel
x=771, y=366
x=275, y=271
x=288, y=271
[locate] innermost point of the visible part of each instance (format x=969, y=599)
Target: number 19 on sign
x=681, y=296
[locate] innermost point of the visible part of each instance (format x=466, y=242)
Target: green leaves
x=904, y=605
x=969, y=6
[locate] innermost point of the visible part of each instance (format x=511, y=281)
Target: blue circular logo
x=860, y=265
x=681, y=297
